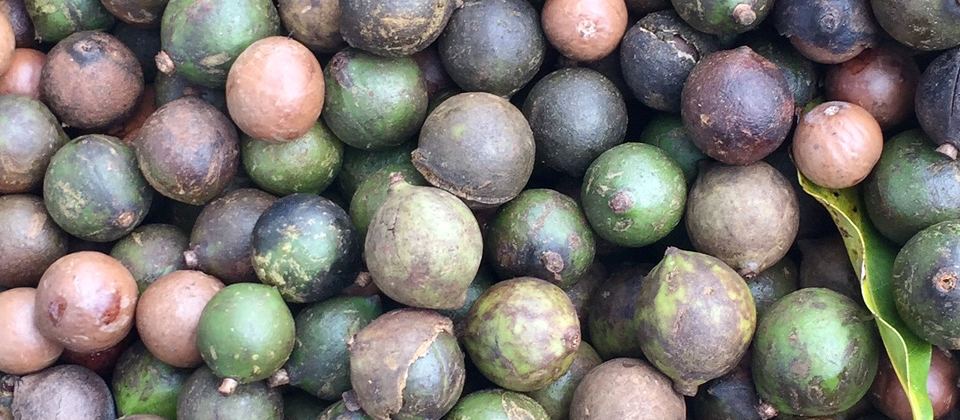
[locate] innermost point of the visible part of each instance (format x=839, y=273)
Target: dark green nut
x=634, y=194
x=359, y=164
x=925, y=275
x=54, y=20
x=202, y=39
x=373, y=102
x=695, y=318
x=523, y=333
x=142, y=384
x=94, y=190
x=372, y=193
x=320, y=362
x=815, y=353
x=667, y=133
x=541, y=234
x=772, y=284
x=611, y=313
x=423, y=247
x=245, y=334
x=556, y=397
x=299, y=405
x=394, y=28
x=306, y=246
x=407, y=364
x=151, y=251
x=482, y=56
x=200, y=400
x=575, y=114
x=912, y=187
x=723, y=17
x=498, y=404
x=730, y=397
x=308, y=164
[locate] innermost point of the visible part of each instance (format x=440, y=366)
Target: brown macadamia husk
x=86, y=302
x=23, y=349
x=584, y=30
x=23, y=75
x=887, y=394
x=883, y=81
x=91, y=80
x=626, y=389
x=168, y=314
x=275, y=90
x=837, y=144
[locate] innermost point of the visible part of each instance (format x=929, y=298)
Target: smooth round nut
x=837, y=144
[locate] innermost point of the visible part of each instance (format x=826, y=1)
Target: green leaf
x=872, y=256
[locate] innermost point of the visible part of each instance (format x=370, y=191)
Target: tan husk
x=378, y=372
x=86, y=302
x=584, y=30
x=23, y=75
x=168, y=314
x=275, y=90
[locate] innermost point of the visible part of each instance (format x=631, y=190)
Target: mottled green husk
x=555, y=398
x=372, y=193
x=320, y=362
x=151, y=251
x=306, y=247
x=667, y=133
x=204, y=38
x=54, y=20
x=522, y=333
x=246, y=332
x=142, y=384
x=308, y=164
x=423, y=247
x=497, y=404
x=358, y=165
x=695, y=318
x=541, y=234
x=200, y=400
x=373, y=102
x=634, y=194
x=815, y=353
x=94, y=190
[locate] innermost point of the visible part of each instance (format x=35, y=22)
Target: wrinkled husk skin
x=407, y=364
x=423, y=247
